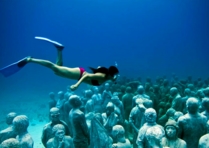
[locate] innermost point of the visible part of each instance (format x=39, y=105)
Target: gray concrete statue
x=21, y=124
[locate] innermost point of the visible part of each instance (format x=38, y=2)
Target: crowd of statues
x=161, y=114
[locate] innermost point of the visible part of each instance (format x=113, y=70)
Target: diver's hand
x=73, y=87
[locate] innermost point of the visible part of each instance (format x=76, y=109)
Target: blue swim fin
x=14, y=67
x=55, y=43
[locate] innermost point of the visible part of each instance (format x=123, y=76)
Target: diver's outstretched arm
x=88, y=77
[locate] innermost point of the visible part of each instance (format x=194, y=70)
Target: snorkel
x=114, y=71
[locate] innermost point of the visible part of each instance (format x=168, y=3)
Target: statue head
x=177, y=115
x=118, y=132
x=58, y=131
x=10, y=117
x=192, y=105
x=115, y=99
x=107, y=86
x=54, y=114
x=170, y=112
x=205, y=103
x=154, y=136
x=171, y=129
x=173, y=91
x=147, y=86
x=110, y=108
x=140, y=89
x=95, y=89
x=200, y=94
x=10, y=143
x=20, y=124
x=60, y=95
x=187, y=92
x=150, y=115
x=75, y=101
x=52, y=95
x=88, y=93
x=206, y=91
x=128, y=89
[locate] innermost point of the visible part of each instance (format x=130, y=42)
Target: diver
x=96, y=78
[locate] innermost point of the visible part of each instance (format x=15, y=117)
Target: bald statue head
x=54, y=114
x=75, y=101
x=10, y=117
x=150, y=115
x=140, y=89
x=192, y=105
x=173, y=91
x=21, y=124
x=118, y=132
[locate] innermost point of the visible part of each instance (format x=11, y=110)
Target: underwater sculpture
x=52, y=102
x=10, y=143
x=21, y=124
x=205, y=104
x=60, y=140
x=110, y=118
x=140, y=94
x=47, y=132
x=60, y=104
x=98, y=77
x=106, y=95
x=81, y=136
x=9, y=132
x=97, y=99
x=127, y=102
x=192, y=125
x=136, y=120
x=150, y=117
x=154, y=136
x=99, y=138
x=203, y=142
x=171, y=139
x=118, y=134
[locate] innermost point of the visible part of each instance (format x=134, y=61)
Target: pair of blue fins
x=15, y=67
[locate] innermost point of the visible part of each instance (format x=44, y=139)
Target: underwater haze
x=147, y=38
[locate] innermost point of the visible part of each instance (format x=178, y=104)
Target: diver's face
x=59, y=134
x=170, y=131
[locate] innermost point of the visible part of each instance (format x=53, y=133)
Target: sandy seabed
x=36, y=111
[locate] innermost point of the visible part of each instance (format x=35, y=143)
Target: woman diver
x=97, y=77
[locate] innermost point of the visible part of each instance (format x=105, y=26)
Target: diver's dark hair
x=113, y=70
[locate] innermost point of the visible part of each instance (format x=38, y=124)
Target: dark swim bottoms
x=82, y=70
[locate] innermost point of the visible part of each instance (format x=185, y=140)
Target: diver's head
x=113, y=72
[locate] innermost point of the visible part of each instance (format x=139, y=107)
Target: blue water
x=147, y=38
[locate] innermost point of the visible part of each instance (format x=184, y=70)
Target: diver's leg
x=58, y=46
x=59, y=60
x=71, y=73
x=45, y=63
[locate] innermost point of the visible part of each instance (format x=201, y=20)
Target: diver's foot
x=59, y=46
x=24, y=61
x=28, y=59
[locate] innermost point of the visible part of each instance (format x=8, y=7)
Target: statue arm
x=84, y=126
x=131, y=121
x=180, y=124
x=43, y=138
